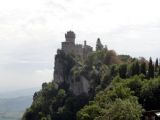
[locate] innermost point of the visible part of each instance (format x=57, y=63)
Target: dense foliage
x=122, y=88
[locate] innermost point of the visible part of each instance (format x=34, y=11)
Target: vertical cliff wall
x=62, y=74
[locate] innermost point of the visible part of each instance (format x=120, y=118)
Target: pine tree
x=99, y=45
x=159, y=70
x=143, y=68
x=156, y=65
x=123, y=70
x=137, y=67
x=132, y=69
x=151, y=69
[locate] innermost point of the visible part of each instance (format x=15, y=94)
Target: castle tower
x=86, y=49
x=85, y=43
x=70, y=37
x=69, y=46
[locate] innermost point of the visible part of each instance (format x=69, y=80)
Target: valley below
x=13, y=104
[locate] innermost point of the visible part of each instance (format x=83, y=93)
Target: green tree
x=156, y=65
x=150, y=94
x=137, y=67
x=111, y=58
x=99, y=45
x=151, y=69
x=143, y=68
x=123, y=70
x=127, y=109
x=114, y=70
x=89, y=112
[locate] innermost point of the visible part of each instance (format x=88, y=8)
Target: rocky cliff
x=64, y=74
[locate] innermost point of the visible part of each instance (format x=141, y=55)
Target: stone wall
x=86, y=51
x=78, y=50
x=68, y=47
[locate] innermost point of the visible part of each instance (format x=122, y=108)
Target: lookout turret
x=70, y=37
x=69, y=46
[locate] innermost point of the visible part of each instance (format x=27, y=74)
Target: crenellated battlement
x=70, y=37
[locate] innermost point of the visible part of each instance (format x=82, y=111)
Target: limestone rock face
x=58, y=72
x=61, y=76
x=80, y=86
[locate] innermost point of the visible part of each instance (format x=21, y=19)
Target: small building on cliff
x=69, y=46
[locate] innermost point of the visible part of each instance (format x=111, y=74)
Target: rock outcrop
x=64, y=63
x=80, y=86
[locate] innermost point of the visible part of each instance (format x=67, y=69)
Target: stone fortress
x=69, y=46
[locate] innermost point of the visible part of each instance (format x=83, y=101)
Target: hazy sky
x=32, y=30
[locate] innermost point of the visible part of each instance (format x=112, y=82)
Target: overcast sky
x=31, y=31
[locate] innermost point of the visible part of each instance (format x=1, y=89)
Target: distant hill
x=14, y=103
x=18, y=93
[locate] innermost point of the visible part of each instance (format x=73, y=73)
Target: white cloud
x=32, y=30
